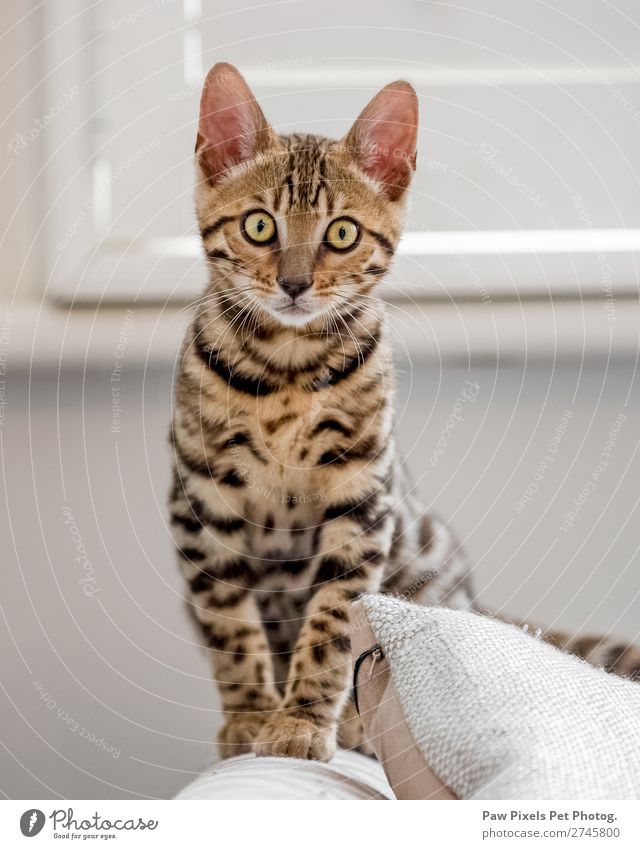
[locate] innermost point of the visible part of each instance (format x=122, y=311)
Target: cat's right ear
x=232, y=127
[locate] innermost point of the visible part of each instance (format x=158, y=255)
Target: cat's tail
x=608, y=653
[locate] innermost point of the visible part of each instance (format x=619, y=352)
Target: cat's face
x=299, y=228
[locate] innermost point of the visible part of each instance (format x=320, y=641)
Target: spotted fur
x=288, y=498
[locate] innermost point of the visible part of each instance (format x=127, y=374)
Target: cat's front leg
x=241, y=659
x=320, y=670
x=220, y=581
x=242, y=666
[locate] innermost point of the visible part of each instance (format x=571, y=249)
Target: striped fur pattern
x=605, y=652
x=288, y=498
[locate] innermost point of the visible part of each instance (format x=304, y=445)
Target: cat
x=288, y=497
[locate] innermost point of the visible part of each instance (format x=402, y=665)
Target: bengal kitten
x=288, y=499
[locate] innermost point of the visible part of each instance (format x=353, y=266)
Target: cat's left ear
x=383, y=139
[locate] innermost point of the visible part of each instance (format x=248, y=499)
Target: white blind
x=530, y=123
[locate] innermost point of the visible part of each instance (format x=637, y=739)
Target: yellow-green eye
x=259, y=227
x=342, y=234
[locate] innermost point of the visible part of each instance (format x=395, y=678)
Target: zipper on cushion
x=376, y=654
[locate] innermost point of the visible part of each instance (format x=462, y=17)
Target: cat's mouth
x=296, y=309
x=294, y=313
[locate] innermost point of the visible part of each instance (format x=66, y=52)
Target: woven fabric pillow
x=460, y=705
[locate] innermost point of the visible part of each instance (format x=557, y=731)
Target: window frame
x=462, y=265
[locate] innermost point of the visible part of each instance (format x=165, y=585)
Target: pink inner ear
x=232, y=126
x=384, y=138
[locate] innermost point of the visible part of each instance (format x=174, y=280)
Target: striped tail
x=607, y=653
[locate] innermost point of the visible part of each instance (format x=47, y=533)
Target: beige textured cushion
x=464, y=705
x=384, y=721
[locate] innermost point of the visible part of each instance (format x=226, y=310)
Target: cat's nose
x=295, y=286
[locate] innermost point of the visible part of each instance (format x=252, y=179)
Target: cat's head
x=298, y=228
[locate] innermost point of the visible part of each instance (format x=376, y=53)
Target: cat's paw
x=286, y=736
x=239, y=732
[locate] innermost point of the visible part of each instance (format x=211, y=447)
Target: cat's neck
x=325, y=343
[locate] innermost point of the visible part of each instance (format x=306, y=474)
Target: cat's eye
x=342, y=234
x=259, y=227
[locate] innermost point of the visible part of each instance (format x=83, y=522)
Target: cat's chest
x=283, y=461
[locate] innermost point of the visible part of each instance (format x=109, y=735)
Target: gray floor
x=105, y=691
